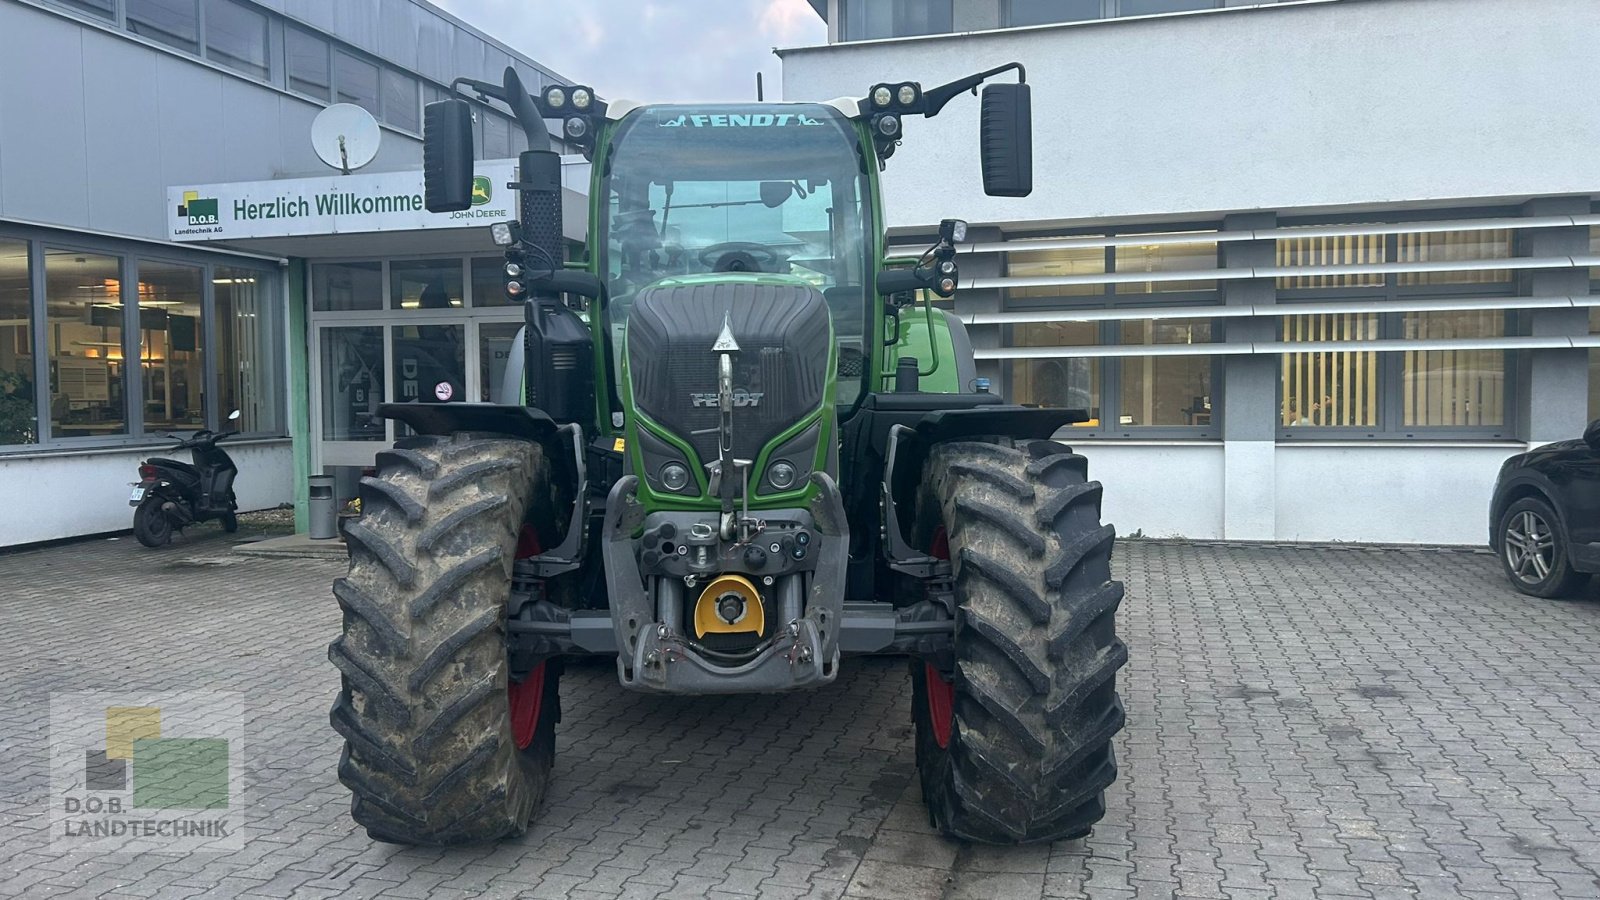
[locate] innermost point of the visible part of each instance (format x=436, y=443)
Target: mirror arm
x=935, y=98
x=525, y=112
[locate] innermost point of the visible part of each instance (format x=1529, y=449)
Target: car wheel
x=1533, y=550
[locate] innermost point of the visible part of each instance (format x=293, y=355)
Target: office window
x=1450, y=247
x=171, y=346
x=1157, y=258
x=1153, y=7
x=1350, y=250
x=175, y=23
x=1459, y=388
x=1119, y=393
x=83, y=309
x=1165, y=391
x=19, y=409
x=868, y=19
x=1050, y=263
x=425, y=284
x=401, y=106
x=1394, y=393
x=236, y=37
x=339, y=287
x=355, y=81
x=489, y=282
x=308, y=64
x=1062, y=383
x=1331, y=389
x=1594, y=367
x=1044, y=12
x=100, y=9
x=247, y=358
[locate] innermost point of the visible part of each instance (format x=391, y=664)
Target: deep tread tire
x=151, y=527
x=1029, y=752
x=429, y=753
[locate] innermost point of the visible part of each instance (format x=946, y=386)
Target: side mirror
x=1591, y=435
x=447, y=155
x=233, y=416
x=1006, y=140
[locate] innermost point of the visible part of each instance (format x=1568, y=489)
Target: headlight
x=577, y=128
x=556, y=97
x=580, y=98
x=889, y=126
x=675, y=476
x=501, y=232
x=908, y=95
x=781, y=474
x=881, y=95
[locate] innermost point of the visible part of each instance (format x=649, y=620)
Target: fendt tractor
x=736, y=447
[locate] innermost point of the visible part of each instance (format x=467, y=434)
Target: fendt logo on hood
x=741, y=397
x=740, y=120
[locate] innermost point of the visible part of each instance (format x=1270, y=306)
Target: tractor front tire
x=1014, y=745
x=440, y=747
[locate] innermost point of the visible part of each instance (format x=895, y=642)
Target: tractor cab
x=737, y=190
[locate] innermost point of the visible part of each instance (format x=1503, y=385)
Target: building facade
x=123, y=124
x=1315, y=268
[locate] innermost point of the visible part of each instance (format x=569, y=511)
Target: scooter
x=171, y=494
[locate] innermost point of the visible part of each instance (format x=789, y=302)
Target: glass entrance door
x=395, y=331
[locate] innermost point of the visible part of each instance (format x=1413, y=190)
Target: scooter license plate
x=137, y=495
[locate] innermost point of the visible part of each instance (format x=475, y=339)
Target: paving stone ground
x=1302, y=723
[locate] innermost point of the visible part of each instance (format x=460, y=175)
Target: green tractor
x=748, y=446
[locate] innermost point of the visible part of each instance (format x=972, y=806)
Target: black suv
x=1545, y=520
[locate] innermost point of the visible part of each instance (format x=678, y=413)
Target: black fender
x=562, y=446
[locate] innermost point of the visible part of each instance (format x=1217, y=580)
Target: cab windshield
x=757, y=188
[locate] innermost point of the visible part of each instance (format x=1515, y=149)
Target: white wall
x=1158, y=489
x=1387, y=494
x=1297, y=105
x=57, y=495
x=1366, y=493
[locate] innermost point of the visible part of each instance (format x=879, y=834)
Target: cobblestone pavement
x=1302, y=722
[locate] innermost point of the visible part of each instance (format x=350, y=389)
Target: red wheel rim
x=941, y=703
x=527, y=696
x=941, y=691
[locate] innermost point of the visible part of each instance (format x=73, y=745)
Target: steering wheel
x=739, y=256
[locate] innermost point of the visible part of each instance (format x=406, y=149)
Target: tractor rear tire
x=434, y=752
x=1014, y=745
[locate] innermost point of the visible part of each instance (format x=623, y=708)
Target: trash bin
x=323, y=512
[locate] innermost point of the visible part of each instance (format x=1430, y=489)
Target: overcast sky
x=653, y=49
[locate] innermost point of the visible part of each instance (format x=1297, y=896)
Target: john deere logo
x=482, y=190
x=204, y=212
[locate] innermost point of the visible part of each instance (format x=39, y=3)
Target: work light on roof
x=555, y=97
x=581, y=98
x=882, y=96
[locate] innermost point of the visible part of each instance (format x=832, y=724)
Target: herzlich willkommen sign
x=332, y=204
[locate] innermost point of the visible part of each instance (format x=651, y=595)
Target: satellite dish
x=345, y=136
